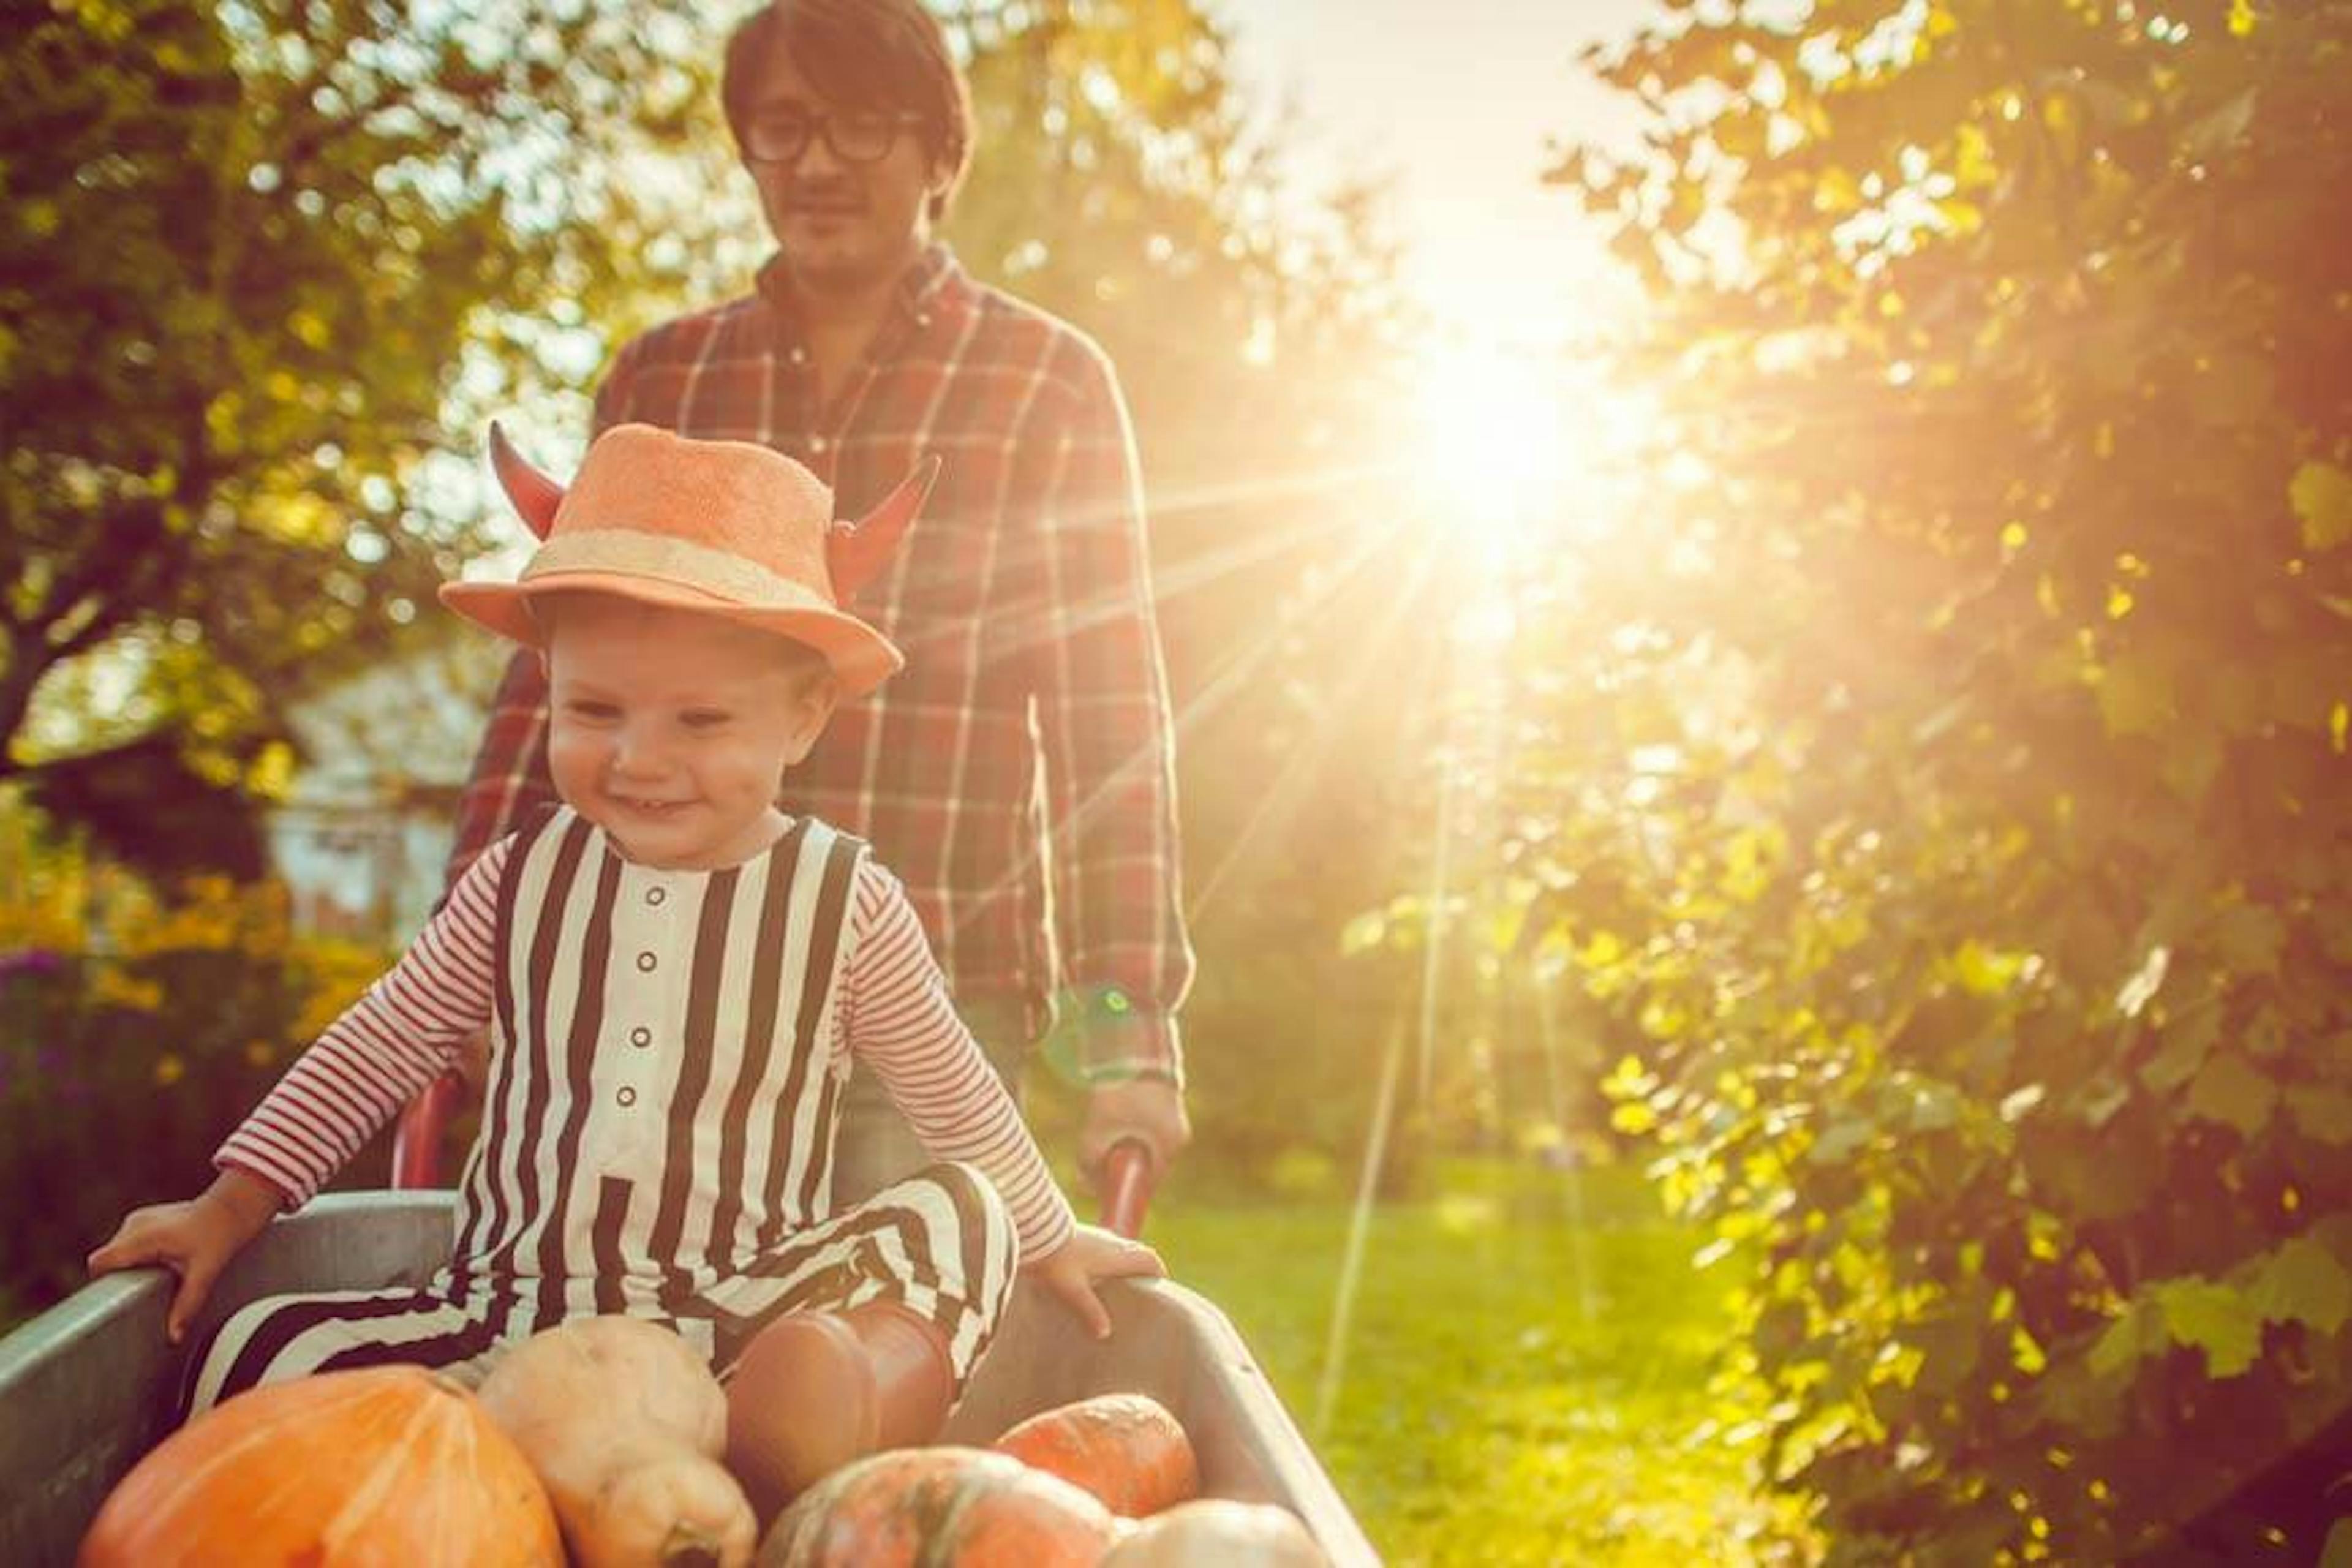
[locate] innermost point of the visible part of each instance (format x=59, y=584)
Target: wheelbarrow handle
x=1128, y=1178
x=416, y=1145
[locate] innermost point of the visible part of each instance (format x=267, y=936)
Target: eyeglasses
x=864, y=137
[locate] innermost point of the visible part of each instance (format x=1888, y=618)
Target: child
x=678, y=980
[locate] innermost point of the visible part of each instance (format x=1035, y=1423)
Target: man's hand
x=193, y=1239
x=1141, y=1107
x=1093, y=1253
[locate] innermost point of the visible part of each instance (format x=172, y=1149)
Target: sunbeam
x=1359, y=1224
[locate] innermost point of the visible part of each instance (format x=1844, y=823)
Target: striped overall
x=657, y=1133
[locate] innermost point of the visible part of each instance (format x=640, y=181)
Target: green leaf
x=2142, y=987
x=2250, y=937
x=2221, y=129
x=2321, y=494
x=2219, y=1319
x=2188, y=1040
x=2303, y=1281
x=2322, y=1112
x=2229, y=1091
x=1841, y=1140
x=2101, y=1098
x=2122, y=1343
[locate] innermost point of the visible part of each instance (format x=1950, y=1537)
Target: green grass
x=1526, y=1367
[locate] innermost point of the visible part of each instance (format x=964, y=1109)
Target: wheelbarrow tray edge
x=89, y=1385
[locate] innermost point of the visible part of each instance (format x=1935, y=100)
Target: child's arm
x=193, y=1239
x=388, y=1045
x=901, y=1021
x=898, y=1021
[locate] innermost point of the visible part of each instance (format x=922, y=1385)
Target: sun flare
x=1523, y=460
x=1489, y=425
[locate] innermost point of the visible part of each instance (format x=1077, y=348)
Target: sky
x=1457, y=101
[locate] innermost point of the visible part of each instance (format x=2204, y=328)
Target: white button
x=818, y=443
x=655, y=895
x=628, y=1096
x=641, y=1037
x=646, y=962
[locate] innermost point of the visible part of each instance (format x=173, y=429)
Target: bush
x=1956, y=808
x=136, y=1027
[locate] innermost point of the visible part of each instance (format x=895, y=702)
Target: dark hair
x=889, y=54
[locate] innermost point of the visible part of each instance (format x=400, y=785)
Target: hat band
x=632, y=553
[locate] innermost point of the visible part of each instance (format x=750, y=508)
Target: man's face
x=842, y=225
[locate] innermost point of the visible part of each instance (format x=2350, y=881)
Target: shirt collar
x=935, y=279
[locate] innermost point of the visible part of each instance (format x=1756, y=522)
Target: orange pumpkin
x=944, y=1504
x=1125, y=1448
x=388, y=1465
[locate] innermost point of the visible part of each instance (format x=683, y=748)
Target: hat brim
x=860, y=657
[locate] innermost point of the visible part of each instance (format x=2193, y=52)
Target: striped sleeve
x=386, y=1046
x=900, y=1022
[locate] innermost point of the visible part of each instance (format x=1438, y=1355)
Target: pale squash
x=1218, y=1532
x=389, y=1466
x=625, y=1424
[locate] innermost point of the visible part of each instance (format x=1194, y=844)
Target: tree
x=260, y=261
x=1958, y=822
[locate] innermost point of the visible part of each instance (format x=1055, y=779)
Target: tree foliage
x=1949, y=797
x=258, y=260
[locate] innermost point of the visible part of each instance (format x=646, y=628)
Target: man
x=1018, y=776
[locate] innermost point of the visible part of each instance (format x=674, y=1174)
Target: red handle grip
x=1128, y=1178
x=416, y=1145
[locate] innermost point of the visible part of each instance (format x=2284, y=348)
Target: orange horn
x=856, y=553
x=535, y=496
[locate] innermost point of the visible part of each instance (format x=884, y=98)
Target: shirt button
x=818, y=443
x=646, y=962
x=655, y=895
x=628, y=1096
x=641, y=1037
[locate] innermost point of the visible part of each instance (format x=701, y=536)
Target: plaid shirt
x=1018, y=775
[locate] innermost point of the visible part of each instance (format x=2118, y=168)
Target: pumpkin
x=1218, y=1532
x=625, y=1424
x=387, y=1465
x=943, y=1504
x=1125, y=1448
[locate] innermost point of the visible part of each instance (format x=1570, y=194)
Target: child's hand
x=1093, y=1253
x=193, y=1239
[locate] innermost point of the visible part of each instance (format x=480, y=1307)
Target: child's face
x=671, y=730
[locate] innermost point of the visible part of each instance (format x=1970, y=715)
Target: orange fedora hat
x=724, y=528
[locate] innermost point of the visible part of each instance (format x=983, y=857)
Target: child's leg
x=861, y=1334
x=940, y=1244
x=282, y=1337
